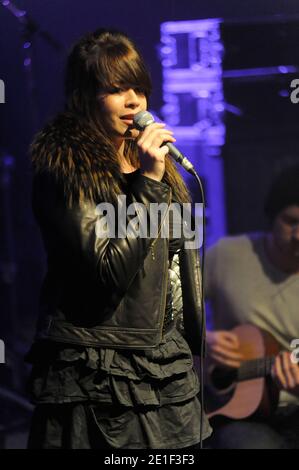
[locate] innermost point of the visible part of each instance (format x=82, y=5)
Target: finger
x=295, y=375
x=230, y=353
x=288, y=370
x=164, y=150
x=278, y=374
x=152, y=145
x=295, y=369
x=158, y=137
x=148, y=140
x=162, y=139
x=150, y=129
x=150, y=132
x=227, y=354
x=231, y=338
x=228, y=345
x=222, y=339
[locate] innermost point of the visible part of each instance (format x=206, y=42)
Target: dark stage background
x=259, y=142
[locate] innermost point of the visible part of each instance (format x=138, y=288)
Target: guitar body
x=227, y=395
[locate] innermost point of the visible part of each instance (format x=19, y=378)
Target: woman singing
x=120, y=316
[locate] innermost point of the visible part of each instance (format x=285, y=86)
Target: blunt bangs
x=123, y=68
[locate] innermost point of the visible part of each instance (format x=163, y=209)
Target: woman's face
x=117, y=108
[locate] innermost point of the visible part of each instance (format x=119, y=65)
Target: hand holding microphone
x=152, y=151
x=156, y=142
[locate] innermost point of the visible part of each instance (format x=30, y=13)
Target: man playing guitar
x=254, y=279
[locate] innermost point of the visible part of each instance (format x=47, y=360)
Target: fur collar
x=68, y=149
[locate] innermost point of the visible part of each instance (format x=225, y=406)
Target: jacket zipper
x=153, y=257
x=154, y=242
x=164, y=302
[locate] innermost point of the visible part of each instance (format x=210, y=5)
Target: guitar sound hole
x=223, y=378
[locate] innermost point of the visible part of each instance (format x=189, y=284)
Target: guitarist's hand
x=223, y=348
x=285, y=373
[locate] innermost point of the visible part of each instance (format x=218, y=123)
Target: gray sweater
x=244, y=287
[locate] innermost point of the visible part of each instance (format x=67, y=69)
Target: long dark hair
x=97, y=62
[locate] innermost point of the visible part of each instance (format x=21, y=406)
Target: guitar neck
x=256, y=368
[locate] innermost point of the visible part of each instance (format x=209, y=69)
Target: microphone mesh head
x=143, y=119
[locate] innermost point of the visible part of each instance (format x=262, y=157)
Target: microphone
x=142, y=120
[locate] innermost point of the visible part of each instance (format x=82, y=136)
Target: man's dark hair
x=284, y=192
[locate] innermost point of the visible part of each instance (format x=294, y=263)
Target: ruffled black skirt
x=106, y=398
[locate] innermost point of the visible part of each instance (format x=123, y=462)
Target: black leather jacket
x=104, y=291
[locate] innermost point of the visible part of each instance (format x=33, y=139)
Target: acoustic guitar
x=249, y=390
